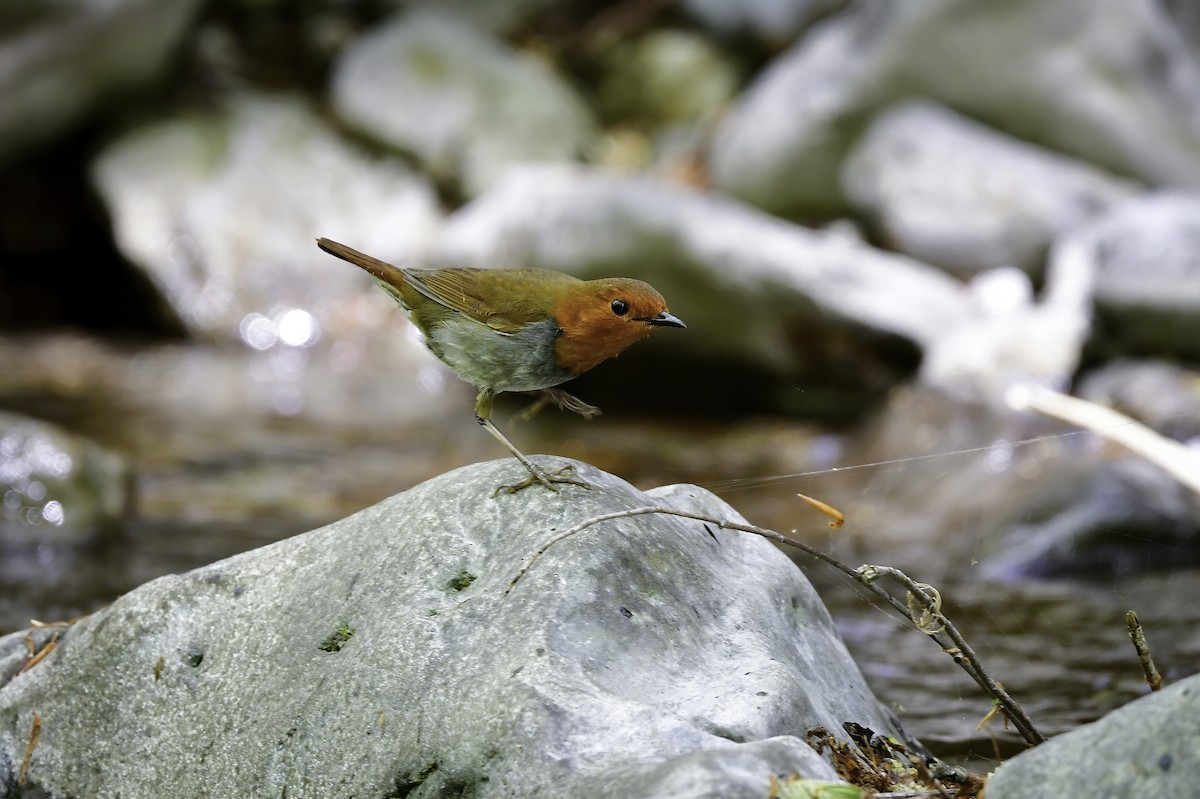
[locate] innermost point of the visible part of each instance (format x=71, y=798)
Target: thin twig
x=41, y=654
x=930, y=621
x=918, y=763
x=34, y=732
x=1138, y=637
x=932, y=604
x=631, y=512
x=37, y=625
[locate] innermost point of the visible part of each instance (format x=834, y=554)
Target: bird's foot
x=561, y=400
x=564, y=476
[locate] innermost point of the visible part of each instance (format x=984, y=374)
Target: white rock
x=222, y=210
x=1012, y=337
x=952, y=192
x=73, y=58
x=1144, y=257
x=461, y=101
x=1108, y=81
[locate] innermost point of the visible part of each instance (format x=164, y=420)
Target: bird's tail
x=382, y=270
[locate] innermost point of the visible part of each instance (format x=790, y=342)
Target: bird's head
x=600, y=318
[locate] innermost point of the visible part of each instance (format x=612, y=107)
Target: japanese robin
x=525, y=330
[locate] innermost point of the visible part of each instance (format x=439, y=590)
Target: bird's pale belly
x=521, y=361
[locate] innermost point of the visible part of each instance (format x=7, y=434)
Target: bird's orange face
x=603, y=317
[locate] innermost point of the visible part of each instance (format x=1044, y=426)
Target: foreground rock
x=382, y=656
x=1146, y=748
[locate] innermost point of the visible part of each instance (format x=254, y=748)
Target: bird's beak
x=665, y=319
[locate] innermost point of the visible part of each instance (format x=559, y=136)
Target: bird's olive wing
x=504, y=300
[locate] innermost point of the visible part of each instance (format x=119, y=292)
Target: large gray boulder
x=1146, y=748
x=384, y=656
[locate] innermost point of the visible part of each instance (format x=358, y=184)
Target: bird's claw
x=561, y=400
x=563, y=476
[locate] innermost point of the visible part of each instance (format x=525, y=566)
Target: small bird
x=525, y=330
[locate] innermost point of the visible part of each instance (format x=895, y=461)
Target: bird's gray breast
x=486, y=358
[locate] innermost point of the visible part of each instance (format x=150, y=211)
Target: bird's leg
x=483, y=413
x=561, y=399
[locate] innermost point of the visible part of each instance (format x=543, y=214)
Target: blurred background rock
x=876, y=217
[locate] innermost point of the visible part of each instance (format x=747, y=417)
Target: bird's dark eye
x=620, y=307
